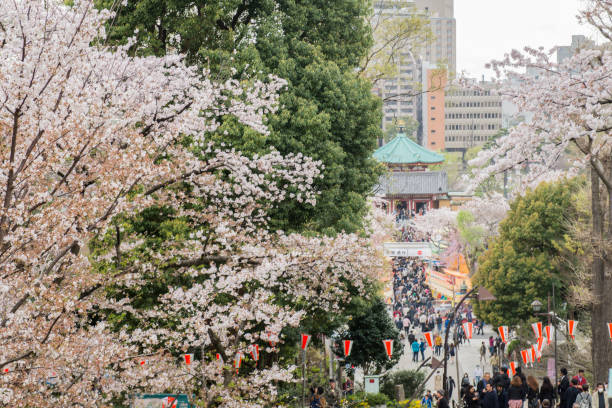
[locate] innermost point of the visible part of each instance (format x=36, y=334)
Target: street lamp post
x=481, y=294
x=536, y=305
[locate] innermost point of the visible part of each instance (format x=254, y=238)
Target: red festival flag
x=503, y=333
x=428, y=338
x=254, y=351
x=467, y=329
x=571, y=325
x=305, y=340
x=388, y=347
x=188, y=358
x=537, y=329
x=533, y=354
x=548, y=330
x=348, y=346
x=540, y=343
x=525, y=356
x=610, y=330
x=513, y=367
x=238, y=361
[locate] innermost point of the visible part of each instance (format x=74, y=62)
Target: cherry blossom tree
x=570, y=130
x=89, y=134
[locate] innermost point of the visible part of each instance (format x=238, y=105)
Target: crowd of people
x=520, y=391
x=414, y=311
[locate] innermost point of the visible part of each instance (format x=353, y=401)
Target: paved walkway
x=469, y=358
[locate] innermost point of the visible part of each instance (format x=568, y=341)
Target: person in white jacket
x=600, y=399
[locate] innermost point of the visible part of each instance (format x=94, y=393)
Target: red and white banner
x=388, y=347
x=525, y=356
x=610, y=330
x=254, y=351
x=467, y=329
x=540, y=344
x=429, y=338
x=532, y=354
x=538, y=355
x=571, y=326
x=347, y=345
x=537, y=329
x=188, y=358
x=238, y=360
x=513, y=368
x=169, y=402
x=503, y=333
x=548, y=337
x=305, y=340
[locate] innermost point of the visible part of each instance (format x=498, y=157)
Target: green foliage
x=327, y=110
x=519, y=266
x=368, y=328
x=410, y=379
x=377, y=399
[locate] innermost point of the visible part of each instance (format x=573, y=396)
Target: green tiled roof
x=402, y=150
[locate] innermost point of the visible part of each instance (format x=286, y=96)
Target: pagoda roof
x=402, y=150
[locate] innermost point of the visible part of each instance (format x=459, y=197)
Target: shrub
x=376, y=399
x=410, y=379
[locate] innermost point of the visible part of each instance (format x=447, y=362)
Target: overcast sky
x=486, y=29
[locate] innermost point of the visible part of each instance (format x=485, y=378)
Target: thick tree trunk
x=601, y=313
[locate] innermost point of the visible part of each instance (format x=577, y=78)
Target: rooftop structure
x=409, y=188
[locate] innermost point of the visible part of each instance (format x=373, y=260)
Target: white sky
x=486, y=29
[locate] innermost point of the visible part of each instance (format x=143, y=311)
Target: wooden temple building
x=409, y=187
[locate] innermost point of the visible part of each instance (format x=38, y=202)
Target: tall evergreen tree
x=521, y=264
x=328, y=111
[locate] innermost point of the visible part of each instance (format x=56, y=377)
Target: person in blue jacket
x=415, y=350
x=422, y=347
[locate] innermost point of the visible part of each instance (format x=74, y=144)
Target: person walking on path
x=502, y=396
x=451, y=351
x=483, y=353
x=442, y=401
x=477, y=374
x=599, y=397
x=516, y=393
x=571, y=394
x=532, y=392
x=584, y=398
x=562, y=387
x=422, y=348
x=580, y=377
x=438, y=344
x=415, y=351
x=547, y=391
x=489, y=398
x=470, y=399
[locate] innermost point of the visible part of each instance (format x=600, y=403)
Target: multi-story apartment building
x=472, y=117
x=400, y=98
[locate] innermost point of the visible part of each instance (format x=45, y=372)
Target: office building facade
x=400, y=98
x=472, y=117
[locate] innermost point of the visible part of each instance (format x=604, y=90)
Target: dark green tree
x=369, y=326
x=327, y=111
x=522, y=262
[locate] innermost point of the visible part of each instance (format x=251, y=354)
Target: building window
x=433, y=131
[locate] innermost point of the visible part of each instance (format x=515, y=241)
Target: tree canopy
x=327, y=111
x=520, y=264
